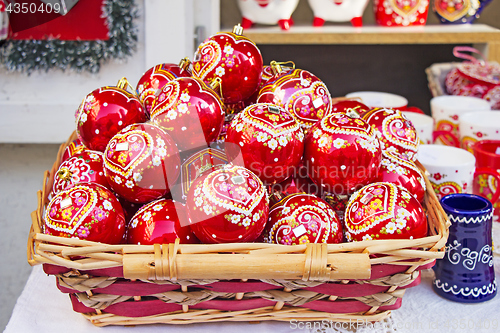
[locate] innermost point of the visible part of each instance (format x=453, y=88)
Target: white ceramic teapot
x=267, y=12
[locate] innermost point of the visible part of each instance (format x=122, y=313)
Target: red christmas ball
x=394, y=131
x=234, y=60
x=303, y=218
x=228, y=205
x=301, y=93
x=74, y=147
x=342, y=153
x=349, y=106
x=384, y=211
x=160, y=222
x=269, y=72
x=141, y=162
x=269, y=140
x=86, y=211
x=85, y=167
x=397, y=169
x=190, y=111
x=104, y=112
x=156, y=77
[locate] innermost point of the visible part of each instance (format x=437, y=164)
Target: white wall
x=40, y=108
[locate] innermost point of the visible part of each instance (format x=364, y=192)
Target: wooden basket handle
x=315, y=264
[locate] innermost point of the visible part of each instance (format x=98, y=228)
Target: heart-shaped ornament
x=394, y=130
x=87, y=211
x=384, y=211
x=302, y=218
x=141, y=163
x=300, y=93
x=229, y=204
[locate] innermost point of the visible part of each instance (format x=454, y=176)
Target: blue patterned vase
x=466, y=273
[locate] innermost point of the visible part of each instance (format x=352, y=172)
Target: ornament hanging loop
x=64, y=174
x=238, y=30
x=216, y=85
x=277, y=67
x=185, y=63
x=124, y=84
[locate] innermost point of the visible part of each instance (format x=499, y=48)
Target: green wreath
x=41, y=55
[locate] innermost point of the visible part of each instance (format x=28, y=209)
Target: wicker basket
x=436, y=75
x=182, y=284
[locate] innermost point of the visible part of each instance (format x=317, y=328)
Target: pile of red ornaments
x=225, y=149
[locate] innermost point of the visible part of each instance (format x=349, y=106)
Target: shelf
x=483, y=36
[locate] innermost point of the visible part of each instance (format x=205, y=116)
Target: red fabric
x=82, y=22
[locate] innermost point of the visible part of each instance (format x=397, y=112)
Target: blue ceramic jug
x=466, y=273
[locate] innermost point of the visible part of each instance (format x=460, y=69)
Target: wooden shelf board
x=431, y=34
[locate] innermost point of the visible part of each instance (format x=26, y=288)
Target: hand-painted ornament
x=269, y=139
x=346, y=106
x=228, y=205
x=160, y=222
x=74, y=147
x=299, y=92
x=397, y=169
x=201, y=162
x=104, y=112
x=86, y=211
x=342, y=153
x=394, y=130
x=190, y=112
x=394, y=13
x=232, y=58
x=267, y=12
x=384, y=211
x=458, y=11
x=141, y=163
x=156, y=77
x=302, y=218
x=85, y=167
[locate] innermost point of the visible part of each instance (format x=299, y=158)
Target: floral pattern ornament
x=302, y=218
x=229, y=57
x=86, y=211
x=300, y=93
x=156, y=77
x=384, y=211
x=397, y=169
x=269, y=139
x=229, y=204
x=342, y=153
x=84, y=167
x=161, y=222
x=394, y=130
x=401, y=12
x=190, y=111
x=140, y=163
x=457, y=11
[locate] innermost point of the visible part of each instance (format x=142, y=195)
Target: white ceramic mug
x=477, y=126
x=424, y=125
x=451, y=169
x=378, y=99
x=446, y=111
